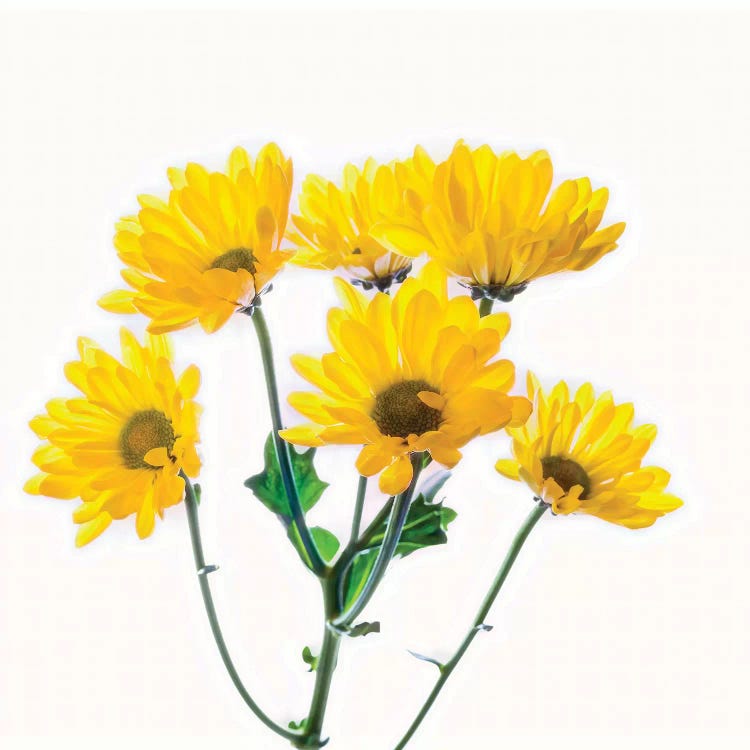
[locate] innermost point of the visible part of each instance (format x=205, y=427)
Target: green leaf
x=310, y=659
x=325, y=541
x=425, y=526
x=298, y=726
x=363, y=628
x=268, y=486
x=426, y=521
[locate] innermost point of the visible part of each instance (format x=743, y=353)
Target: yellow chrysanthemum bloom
x=489, y=222
x=583, y=455
x=211, y=248
x=333, y=230
x=119, y=447
x=412, y=372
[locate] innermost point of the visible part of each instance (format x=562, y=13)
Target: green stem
x=356, y=545
x=485, y=306
x=282, y=447
x=387, y=549
x=478, y=624
x=191, y=504
x=324, y=672
x=358, y=507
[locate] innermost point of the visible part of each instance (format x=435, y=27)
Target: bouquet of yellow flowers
x=413, y=375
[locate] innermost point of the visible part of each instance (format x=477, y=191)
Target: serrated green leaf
x=425, y=526
x=268, y=486
x=426, y=522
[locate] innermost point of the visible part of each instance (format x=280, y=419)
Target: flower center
x=233, y=260
x=567, y=473
x=145, y=431
x=398, y=411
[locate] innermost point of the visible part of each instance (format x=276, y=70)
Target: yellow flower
x=412, y=372
x=334, y=228
x=582, y=455
x=488, y=221
x=211, y=248
x=121, y=446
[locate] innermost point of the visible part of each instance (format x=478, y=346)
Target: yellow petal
x=508, y=468
x=189, y=382
x=433, y=400
x=396, y=478
x=119, y=301
x=92, y=529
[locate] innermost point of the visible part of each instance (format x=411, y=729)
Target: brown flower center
x=233, y=260
x=399, y=412
x=567, y=473
x=144, y=431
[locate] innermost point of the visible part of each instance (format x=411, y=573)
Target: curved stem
x=358, y=507
x=478, y=624
x=324, y=671
x=282, y=447
x=191, y=504
x=485, y=306
x=387, y=549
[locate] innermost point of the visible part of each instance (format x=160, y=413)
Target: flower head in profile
x=409, y=373
x=121, y=444
x=583, y=455
x=210, y=248
x=490, y=221
x=333, y=230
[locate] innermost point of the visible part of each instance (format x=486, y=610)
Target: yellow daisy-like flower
x=412, y=372
x=583, y=455
x=488, y=220
x=211, y=248
x=334, y=228
x=119, y=447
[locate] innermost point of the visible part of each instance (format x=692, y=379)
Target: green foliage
x=362, y=629
x=325, y=541
x=310, y=659
x=298, y=726
x=425, y=526
x=268, y=487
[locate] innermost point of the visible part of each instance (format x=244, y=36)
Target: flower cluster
x=414, y=374
x=413, y=368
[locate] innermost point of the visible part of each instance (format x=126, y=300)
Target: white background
x=602, y=634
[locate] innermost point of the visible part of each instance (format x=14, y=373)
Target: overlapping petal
x=210, y=248
x=121, y=445
x=491, y=221
x=413, y=372
x=333, y=228
x=582, y=454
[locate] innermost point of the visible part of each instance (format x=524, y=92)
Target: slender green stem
x=191, y=504
x=324, y=672
x=478, y=624
x=282, y=447
x=387, y=549
x=375, y=524
x=363, y=542
x=358, y=507
x=485, y=306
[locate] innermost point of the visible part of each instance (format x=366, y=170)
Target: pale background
x=602, y=635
